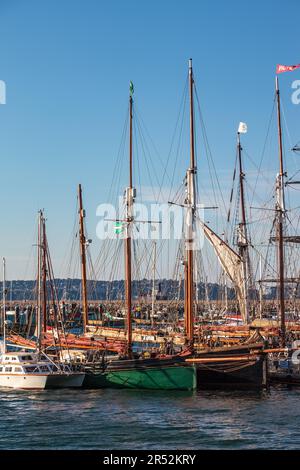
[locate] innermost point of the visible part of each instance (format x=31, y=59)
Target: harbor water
x=127, y=419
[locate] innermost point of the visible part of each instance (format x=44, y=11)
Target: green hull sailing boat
x=145, y=374
x=157, y=373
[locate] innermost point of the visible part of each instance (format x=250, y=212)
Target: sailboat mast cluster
x=178, y=349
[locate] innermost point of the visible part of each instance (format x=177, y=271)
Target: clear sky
x=67, y=65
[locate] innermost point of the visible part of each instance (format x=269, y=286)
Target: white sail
x=232, y=264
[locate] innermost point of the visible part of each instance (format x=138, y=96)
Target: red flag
x=286, y=68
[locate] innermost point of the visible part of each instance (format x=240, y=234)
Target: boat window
x=8, y=369
x=26, y=358
x=44, y=368
x=30, y=369
x=1, y=369
x=18, y=369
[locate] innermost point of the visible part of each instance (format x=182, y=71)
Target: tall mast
x=83, y=242
x=129, y=199
x=4, y=306
x=243, y=238
x=153, y=283
x=39, y=282
x=260, y=287
x=224, y=278
x=44, y=274
x=280, y=208
x=189, y=304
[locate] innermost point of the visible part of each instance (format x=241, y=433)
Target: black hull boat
x=223, y=373
x=242, y=367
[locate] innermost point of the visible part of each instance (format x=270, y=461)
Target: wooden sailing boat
x=127, y=372
x=289, y=373
x=241, y=366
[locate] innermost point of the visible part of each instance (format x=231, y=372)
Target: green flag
x=131, y=88
x=119, y=227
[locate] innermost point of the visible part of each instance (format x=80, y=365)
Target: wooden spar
x=243, y=242
x=185, y=297
x=241, y=176
x=205, y=360
x=39, y=286
x=153, y=284
x=280, y=216
x=129, y=203
x=189, y=271
x=4, y=305
x=44, y=274
x=82, y=242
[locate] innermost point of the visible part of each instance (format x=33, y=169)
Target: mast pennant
x=242, y=128
x=119, y=228
x=131, y=88
x=286, y=68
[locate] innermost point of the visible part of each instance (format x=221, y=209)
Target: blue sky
x=67, y=65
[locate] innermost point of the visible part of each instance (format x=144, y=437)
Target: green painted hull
x=147, y=377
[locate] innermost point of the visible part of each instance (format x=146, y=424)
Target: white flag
x=242, y=128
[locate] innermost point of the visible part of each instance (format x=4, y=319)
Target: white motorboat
x=22, y=370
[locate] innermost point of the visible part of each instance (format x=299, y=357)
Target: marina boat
x=35, y=370
x=283, y=368
x=128, y=372
x=238, y=367
x=24, y=370
x=142, y=374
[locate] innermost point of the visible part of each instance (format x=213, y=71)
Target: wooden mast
x=83, y=242
x=280, y=207
x=129, y=198
x=44, y=274
x=4, y=305
x=243, y=239
x=39, y=323
x=153, y=283
x=189, y=272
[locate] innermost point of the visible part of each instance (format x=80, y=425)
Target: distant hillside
x=166, y=289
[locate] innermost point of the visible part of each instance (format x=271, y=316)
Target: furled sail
x=232, y=264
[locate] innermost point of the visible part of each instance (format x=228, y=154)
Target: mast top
x=190, y=65
x=277, y=84
x=131, y=89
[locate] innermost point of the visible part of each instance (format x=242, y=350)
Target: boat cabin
x=29, y=363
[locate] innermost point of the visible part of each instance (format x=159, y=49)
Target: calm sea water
x=122, y=419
